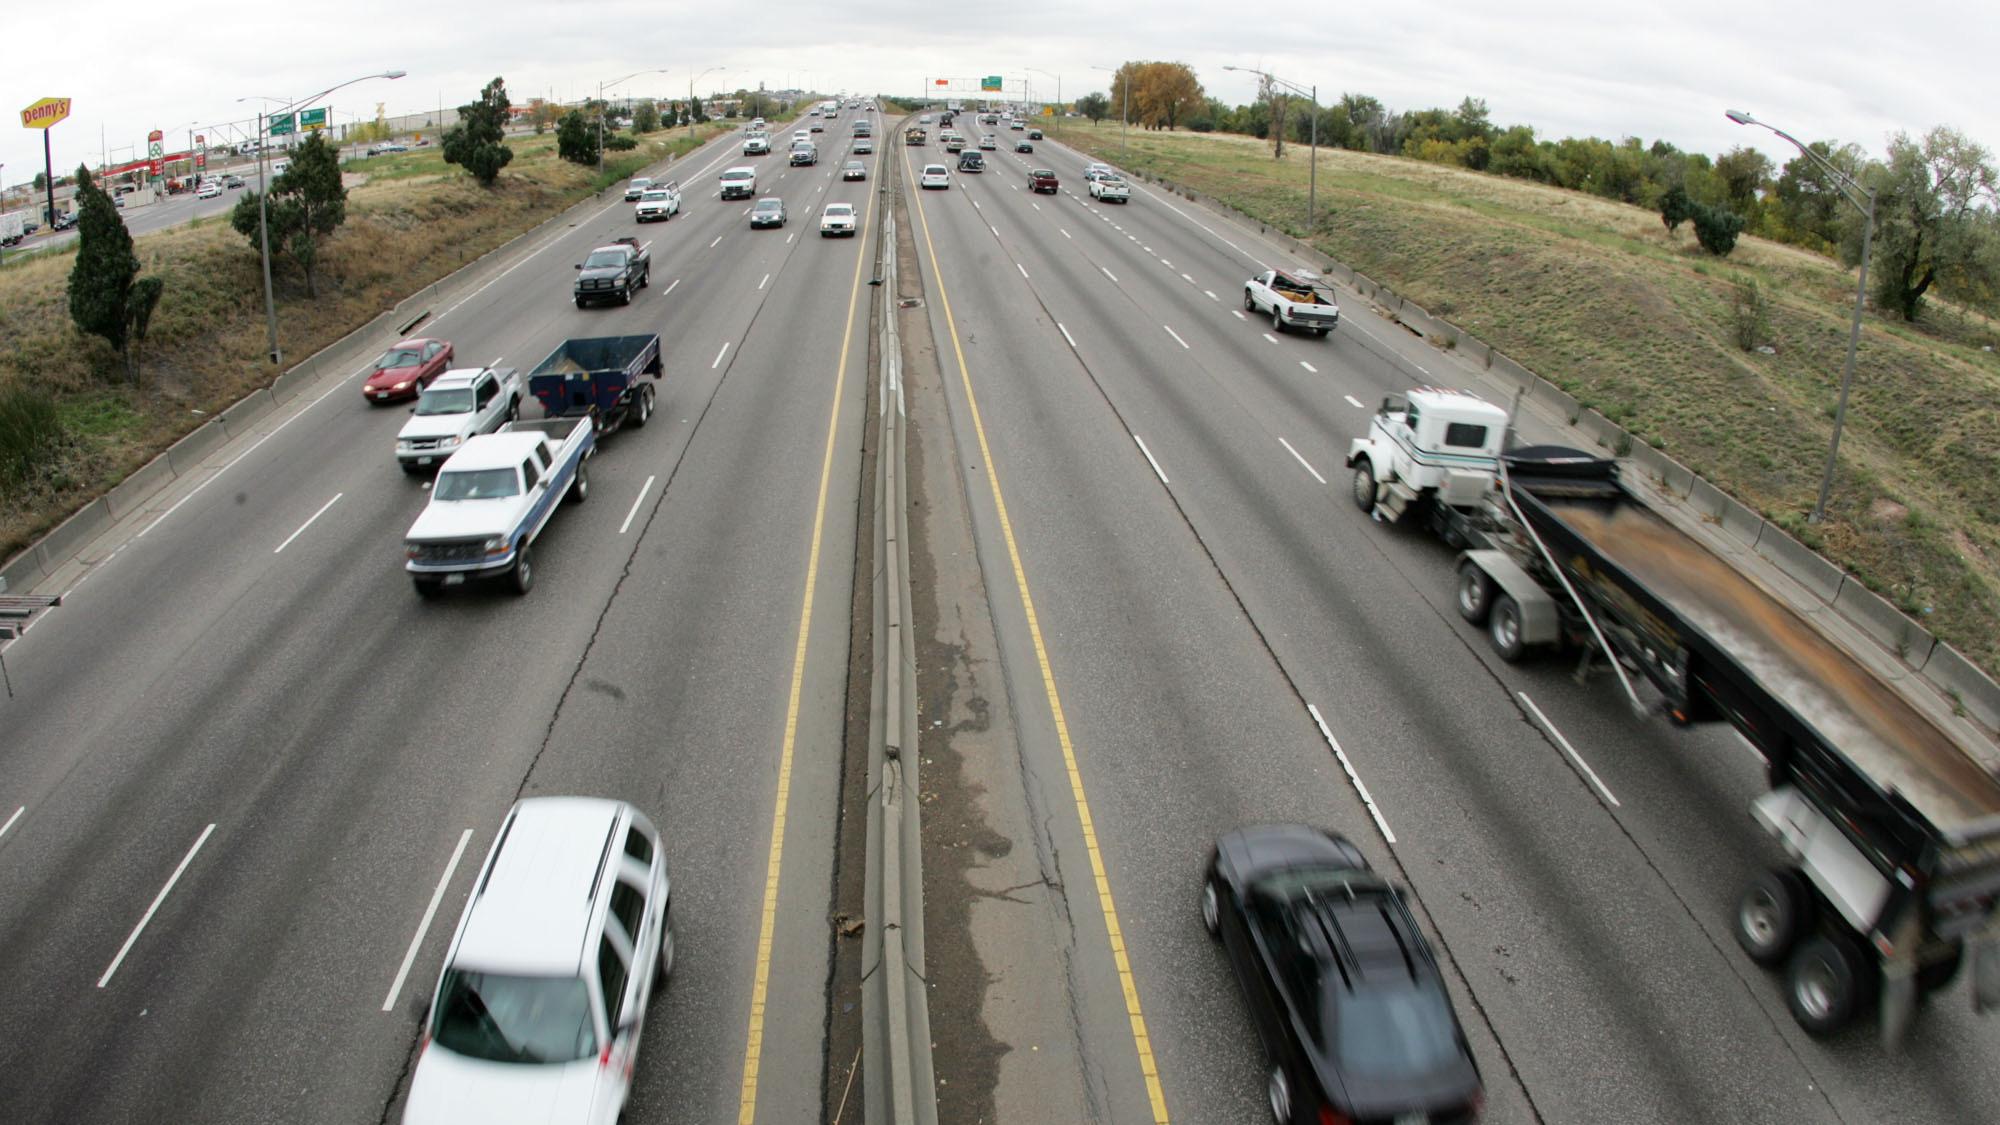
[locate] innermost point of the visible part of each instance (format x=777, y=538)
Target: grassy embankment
x=1599, y=299
x=69, y=430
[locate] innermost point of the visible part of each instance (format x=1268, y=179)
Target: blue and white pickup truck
x=491, y=500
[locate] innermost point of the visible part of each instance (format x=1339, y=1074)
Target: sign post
x=42, y=115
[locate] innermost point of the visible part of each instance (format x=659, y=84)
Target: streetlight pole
x=1312, y=166
x=1124, y=111
x=602, y=106
x=1059, y=105
x=1848, y=189
x=691, y=81
x=263, y=208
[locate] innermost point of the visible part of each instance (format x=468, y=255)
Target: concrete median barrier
x=241, y=416
x=1800, y=563
x=130, y=494
x=1965, y=685
x=185, y=454
x=1872, y=614
x=75, y=533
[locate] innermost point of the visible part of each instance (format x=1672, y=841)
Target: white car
x=539, y=1010
x=739, y=182
x=838, y=219
x=209, y=189
x=637, y=188
x=934, y=176
x=660, y=202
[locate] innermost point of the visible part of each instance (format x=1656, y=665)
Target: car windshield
x=400, y=357
x=641, y=182
x=514, y=1019
x=839, y=209
x=654, y=195
x=600, y=259
x=768, y=206
x=453, y=400
x=476, y=484
x=1391, y=1034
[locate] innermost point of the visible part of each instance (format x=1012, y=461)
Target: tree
x=1716, y=228
x=1162, y=93
x=41, y=181
x=306, y=205
x=541, y=115
x=1094, y=106
x=1807, y=206
x=1675, y=208
x=1272, y=95
x=646, y=118
x=1933, y=211
x=576, y=139
x=101, y=281
x=1744, y=172
x=478, y=142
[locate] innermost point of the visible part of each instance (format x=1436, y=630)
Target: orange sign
x=44, y=113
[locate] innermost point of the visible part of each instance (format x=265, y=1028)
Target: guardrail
x=897, y=1084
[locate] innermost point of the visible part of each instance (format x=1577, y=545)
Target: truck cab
x=1430, y=445
x=458, y=406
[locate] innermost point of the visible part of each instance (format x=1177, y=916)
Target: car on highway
x=658, y=203
x=615, y=271
x=1034, y=134
x=854, y=170
x=406, y=369
x=458, y=406
x=1023, y=146
x=1017, y=124
x=934, y=176
x=971, y=162
x=804, y=154
x=817, y=127
x=636, y=188
x=953, y=143
x=804, y=135
x=1043, y=180
x=1110, y=189
x=493, y=497
x=232, y=181
x=739, y=182
x=756, y=144
x=64, y=221
x=924, y=119
x=1341, y=985
x=838, y=219
x=988, y=143
x=863, y=146
x=539, y=1010
x=767, y=212
x=209, y=189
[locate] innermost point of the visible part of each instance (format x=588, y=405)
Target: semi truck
x=1886, y=805
x=601, y=378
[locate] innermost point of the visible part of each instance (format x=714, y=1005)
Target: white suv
x=543, y=995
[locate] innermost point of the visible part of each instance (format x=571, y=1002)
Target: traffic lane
x=1166, y=695
x=1229, y=505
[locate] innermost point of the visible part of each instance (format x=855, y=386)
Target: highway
x=1206, y=596
x=247, y=759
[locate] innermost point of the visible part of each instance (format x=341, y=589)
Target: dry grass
x=1598, y=298
x=412, y=222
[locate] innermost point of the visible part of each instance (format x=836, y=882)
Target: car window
x=514, y=1019
x=398, y=357
x=432, y=349
x=1389, y=1034
x=638, y=846
x=476, y=484
x=487, y=389
x=542, y=456
x=601, y=259
x=530, y=473
x=629, y=907
x=449, y=400
x=611, y=974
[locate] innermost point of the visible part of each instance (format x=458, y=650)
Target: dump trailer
x=599, y=376
x=1888, y=808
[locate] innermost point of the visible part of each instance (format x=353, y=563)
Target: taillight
x=1477, y=1106
x=1330, y=1116
x=604, y=1056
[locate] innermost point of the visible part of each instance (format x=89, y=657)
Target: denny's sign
x=44, y=113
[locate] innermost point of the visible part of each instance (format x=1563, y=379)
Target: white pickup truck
x=492, y=498
x=457, y=407
x=659, y=202
x=1296, y=300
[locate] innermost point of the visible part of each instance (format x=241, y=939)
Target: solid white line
x=1166, y=263
x=1366, y=799
x=1355, y=402
x=1567, y=748
x=151, y=910
x=496, y=361
x=1175, y=335
x=308, y=523
x=12, y=819
x=1302, y=460
x=1149, y=458
x=328, y=393
x=1022, y=268
x=423, y=926
x=1066, y=335
x=1309, y=367
x=1109, y=274
x=975, y=203
x=1271, y=338
x=1211, y=295
x=643, y=490
x=717, y=242
x=670, y=288
x=1065, y=234
x=763, y=283
x=724, y=351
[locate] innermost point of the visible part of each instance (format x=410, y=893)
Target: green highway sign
x=279, y=126
x=312, y=118
x=990, y=82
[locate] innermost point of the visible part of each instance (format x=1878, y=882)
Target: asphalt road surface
x=246, y=756
x=1206, y=595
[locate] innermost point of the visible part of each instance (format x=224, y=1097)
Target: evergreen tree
x=100, y=283
x=478, y=142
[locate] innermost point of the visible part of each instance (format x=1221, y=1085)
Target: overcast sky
x=1827, y=69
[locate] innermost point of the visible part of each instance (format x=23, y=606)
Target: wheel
x=625, y=295
x=428, y=588
x=667, y=951
x=579, y=302
x=1826, y=984
x=1475, y=592
x=523, y=575
x=1938, y=975
x=1211, y=906
x=1277, y=321
x=646, y=279
x=1771, y=914
x=1248, y=304
x=1504, y=627
x=643, y=409
x=1321, y=332
x=1364, y=485
x=1278, y=1091
x=513, y=410
x=580, y=491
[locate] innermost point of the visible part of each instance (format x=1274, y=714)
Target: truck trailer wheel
x=1475, y=593
x=1826, y=984
x=522, y=577
x=1503, y=627
x=1771, y=914
x=1364, y=485
x=643, y=409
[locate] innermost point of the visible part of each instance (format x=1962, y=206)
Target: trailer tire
x=1771, y=914
x=1475, y=592
x=1938, y=975
x=1826, y=984
x=643, y=409
x=1503, y=627
x=1364, y=485
x=580, y=490
x=522, y=577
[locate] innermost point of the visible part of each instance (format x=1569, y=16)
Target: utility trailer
x=599, y=376
x=1891, y=816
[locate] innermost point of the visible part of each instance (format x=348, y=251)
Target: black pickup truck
x=614, y=272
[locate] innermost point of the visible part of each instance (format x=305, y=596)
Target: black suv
x=970, y=161
x=1341, y=984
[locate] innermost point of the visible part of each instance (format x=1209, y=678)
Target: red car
x=1041, y=179
x=406, y=369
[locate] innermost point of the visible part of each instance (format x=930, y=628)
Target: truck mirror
x=579, y=265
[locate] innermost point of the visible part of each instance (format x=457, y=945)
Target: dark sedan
x=1341, y=984
x=406, y=369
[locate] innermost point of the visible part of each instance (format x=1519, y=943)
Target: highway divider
x=898, y=1084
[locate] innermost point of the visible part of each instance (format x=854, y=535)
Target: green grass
x=1598, y=298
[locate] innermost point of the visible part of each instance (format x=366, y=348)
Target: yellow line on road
x=1140, y=1038
x=753, y=1051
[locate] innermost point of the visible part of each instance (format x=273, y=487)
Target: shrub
x=29, y=433
x=1675, y=208
x=1716, y=228
x=1750, y=314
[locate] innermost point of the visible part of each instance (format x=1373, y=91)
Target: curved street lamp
x=1849, y=188
x=691, y=81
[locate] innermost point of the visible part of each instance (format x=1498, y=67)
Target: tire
x=644, y=409
x=1938, y=975
x=1277, y=321
x=1771, y=914
x=1503, y=627
x=1321, y=332
x=579, y=302
x=625, y=295
x=1826, y=984
x=668, y=952
x=522, y=577
x=579, y=490
x=1248, y=304
x=1211, y=906
x=513, y=410
x=1475, y=593
x=1278, y=1094
x=428, y=588
x=1364, y=485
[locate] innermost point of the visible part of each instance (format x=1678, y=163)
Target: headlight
x=496, y=545
x=447, y=443
x=403, y=444
x=402, y=386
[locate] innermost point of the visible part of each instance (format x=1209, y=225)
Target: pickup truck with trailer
x=491, y=501
x=614, y=272
x=457, y=407
x=601, y=378
x=1886, y=804
x=739, y=182
x=658, y=203
x=1295, y=300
